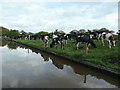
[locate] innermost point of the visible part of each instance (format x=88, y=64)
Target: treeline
x=11, y=33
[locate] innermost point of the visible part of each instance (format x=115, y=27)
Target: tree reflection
x=12, y=45
x=3, y=42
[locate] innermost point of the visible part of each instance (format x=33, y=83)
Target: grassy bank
x=100, y=55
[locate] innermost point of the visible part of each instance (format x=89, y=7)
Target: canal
x=24, y=67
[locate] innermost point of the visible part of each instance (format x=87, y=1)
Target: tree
x=74, y=31
x=13, y=33
x=111, y=31
x=23, y=32
x=56, y=32
x=104, y=29
x=3, y=31
x=82, y=31
x=30, y=33
x=61, y=32
x=41, y=33
x=94, y=30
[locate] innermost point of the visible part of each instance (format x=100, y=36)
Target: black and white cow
x=103, y=35
x=93, y=34
x=46, y=40
x=42, y=37
x=57, y=39
x=109, y=37
x=65, y=37
x=84, y=38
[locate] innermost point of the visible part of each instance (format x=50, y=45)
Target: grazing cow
x=109, y=37
x=84, y=39
x=93, y=34
x=45, y=40
x=42, y=37
x=65, y=37
x=69, y=36
x=27, y=37
x=104, y=36
x=57, y=40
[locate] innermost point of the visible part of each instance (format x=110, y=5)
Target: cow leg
x=103, y=42
x=56, y=46
x=88, y=44
x=62, y=45
x=109, y=44
x=44, y=44
x=65, y=41
x=78, y=45
x=113, y=43
x=47, y=43
x=99, y=35
x=86, y=47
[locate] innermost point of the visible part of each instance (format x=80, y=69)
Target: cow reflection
x=55, y=62
x=45, y=57
x=84, y=78
x=59, y=65
x=28, y=51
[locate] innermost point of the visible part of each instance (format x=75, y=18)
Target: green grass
x=101, y=55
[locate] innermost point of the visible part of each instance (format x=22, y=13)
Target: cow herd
x=80, y=38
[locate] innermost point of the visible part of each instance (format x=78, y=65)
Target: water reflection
x=27, y=67
x=79, y=69
x=3, y=42
x=12, y=45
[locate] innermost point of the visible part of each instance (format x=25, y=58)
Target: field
x=102, y=55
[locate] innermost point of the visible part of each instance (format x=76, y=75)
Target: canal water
x=23, y=67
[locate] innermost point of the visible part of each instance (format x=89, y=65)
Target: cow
x=57, y=39
x=109, y=37
x=46, y=40
x=84, y=38
x=93, y=34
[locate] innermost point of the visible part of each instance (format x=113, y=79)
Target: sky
x=35, y=16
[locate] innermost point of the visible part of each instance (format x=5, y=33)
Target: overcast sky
x=35, y=16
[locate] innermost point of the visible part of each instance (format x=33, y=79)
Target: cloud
x=30, y=70
x=47, y=16
x=59, y=0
